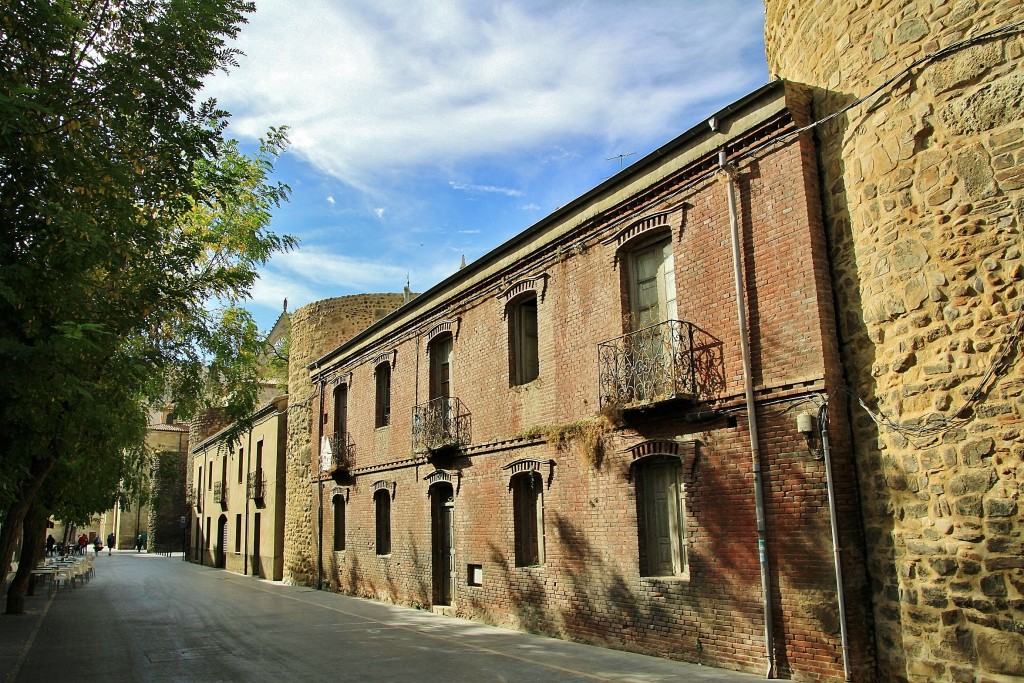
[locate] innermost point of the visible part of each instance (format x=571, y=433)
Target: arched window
x=528, y=518
x=661, y=515
x=339, y=522
x=524, y=364
x=383, y=381
x=382, y=504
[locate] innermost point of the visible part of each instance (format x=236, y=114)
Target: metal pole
x=748, y=386
x=836, y=549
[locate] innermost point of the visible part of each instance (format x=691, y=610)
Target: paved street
x=153, y=618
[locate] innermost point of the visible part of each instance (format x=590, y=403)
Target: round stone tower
x=923, y=189
x=316, y=329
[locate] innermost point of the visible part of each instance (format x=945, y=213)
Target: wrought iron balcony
x=337, y=453
x=662, y=362
x=440, y=424
x=256, y=485
x=220, y=493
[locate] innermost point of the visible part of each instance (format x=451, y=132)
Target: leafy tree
x=129, y=232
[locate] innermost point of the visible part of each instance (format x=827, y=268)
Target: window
x=441, y=366
x=652, y=284
x=661, y=514
x=341, y=409
x=209, y=541
x=382, y=502
x=238, y=534
x=339, y=523
x=524, y=365
x=383, y=380
x=528, y=518
x=241, y=463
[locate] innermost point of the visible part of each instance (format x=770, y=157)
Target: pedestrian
x=110, y=542
x=50, y=541
x=96, y=545
x=138, y=543
x=83, y=541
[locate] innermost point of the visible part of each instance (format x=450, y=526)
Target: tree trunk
x=31, y=553
x=14, y=521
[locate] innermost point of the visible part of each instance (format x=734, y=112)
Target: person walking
x=138, y=543
x=110, y=542
x=96, y=545
x=50, y=541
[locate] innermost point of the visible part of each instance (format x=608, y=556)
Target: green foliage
x=130, y=230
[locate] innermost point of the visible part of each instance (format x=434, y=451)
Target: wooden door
x=442, y=522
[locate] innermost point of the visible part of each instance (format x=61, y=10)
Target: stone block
x=1001, y=653
x=994, y=586
x=1000, y=507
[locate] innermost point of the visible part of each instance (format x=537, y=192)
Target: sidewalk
x=154, y=618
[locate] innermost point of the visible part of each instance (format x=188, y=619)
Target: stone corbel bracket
x=389, y=357
x=537, y=284
x=686, y=451
x=531, y=465
x=452, y=325
x=385, y=485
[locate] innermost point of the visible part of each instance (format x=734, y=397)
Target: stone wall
x=923, y=191
x=317, y=329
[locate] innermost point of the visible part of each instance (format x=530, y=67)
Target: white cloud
x=469, y=232
x=469, y=187
x=530, y=207
x=330, y=200
x=372, y=88
x=379, y=213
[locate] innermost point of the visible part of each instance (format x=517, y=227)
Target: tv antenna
x=621, y=158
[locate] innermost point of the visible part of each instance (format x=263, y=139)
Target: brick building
x=620, y=426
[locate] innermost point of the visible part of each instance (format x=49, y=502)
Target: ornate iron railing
x=670, y=360
x=440, y=424
x=220, y=493
x=343, y=451
x=256, y=485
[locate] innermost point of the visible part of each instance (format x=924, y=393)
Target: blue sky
x=423, y=131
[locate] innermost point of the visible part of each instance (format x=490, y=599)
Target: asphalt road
x=153, y=618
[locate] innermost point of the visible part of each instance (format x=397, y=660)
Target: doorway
x=220, y=556
x=442, y=537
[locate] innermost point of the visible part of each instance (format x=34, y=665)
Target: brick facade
x=592, y=585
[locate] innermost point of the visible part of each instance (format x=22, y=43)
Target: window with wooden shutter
x=662, y=516
x=524, y=364
x=528, y=518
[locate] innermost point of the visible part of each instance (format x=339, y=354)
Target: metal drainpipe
x=245, y=482
x=319, y=494
x=728, y=171
x=836, y=549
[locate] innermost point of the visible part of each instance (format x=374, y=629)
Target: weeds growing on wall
x=586, y=437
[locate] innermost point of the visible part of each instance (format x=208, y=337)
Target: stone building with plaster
x=922, y=164
x=237, y=495
x=622, y=426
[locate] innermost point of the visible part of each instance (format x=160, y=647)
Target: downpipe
x=837, y=551
x=727, y=173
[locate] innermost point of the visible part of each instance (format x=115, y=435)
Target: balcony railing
x=337, y=453
x=440, y=424
x=220, y=493
x=662, y=362
x=256, y=485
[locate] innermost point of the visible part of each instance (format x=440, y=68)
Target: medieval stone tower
x=316, y=330
x=923, y=186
